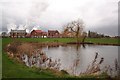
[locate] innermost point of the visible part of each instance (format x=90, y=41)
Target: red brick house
x=28, y=35
x=44, y=34
x=38, y=34
x=53, y=34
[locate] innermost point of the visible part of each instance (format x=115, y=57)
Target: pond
x=83, y=55
x=75, y=59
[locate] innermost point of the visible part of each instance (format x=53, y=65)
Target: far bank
x=96, y=41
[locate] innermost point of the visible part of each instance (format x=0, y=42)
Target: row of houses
x=34, y=34
x=48, y=34
x=96, y=35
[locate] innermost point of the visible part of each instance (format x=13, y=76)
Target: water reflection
x=53, y=46
x=40, y=60
x=80, y=59
x=76, y=61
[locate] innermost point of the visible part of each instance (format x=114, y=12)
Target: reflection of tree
x=78, y=47
x=77, y=60
x=83, y=45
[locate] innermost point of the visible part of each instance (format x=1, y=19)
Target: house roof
x=53, y=31
x=44, y=32
x=18, y=31
x=38, y=31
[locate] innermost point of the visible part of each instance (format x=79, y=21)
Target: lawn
x=103, y=40
x=64, y=40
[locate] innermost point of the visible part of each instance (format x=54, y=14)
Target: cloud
x=23, y=15
x=53, y=14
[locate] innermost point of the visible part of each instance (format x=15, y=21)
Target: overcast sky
x=98, y=15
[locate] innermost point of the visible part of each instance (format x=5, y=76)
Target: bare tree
x=76, y=27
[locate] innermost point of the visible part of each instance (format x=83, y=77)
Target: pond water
x=82, y=55
x=75, y=59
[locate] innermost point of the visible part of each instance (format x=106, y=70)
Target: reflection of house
x=53, y=34
x=38, y=33
x=18, y=33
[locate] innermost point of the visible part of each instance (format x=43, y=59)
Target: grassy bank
x=13, y=69
x=66, y=40
x=0, y=59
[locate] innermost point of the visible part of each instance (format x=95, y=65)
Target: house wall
x=17, y=35
x=34, y=34
x=53, y=34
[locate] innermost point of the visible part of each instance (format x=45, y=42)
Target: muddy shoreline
x=43, y=44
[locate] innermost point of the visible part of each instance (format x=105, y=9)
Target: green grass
x=103, y=40
x=64, y=40
x=11, y=69
x=0, y=58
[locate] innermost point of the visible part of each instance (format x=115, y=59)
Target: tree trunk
x=83, y=39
